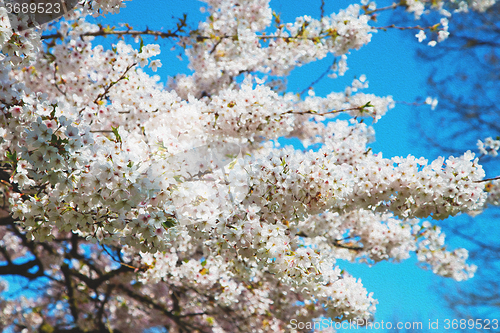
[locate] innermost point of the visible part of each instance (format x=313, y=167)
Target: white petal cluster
x=290, y=45
x=433, y=254
x=362, y=235
x=481, y=5
x=18, y=44
x=490, y=146
x=346, y=175
x=5, y=28
x=103, y=7
x=493, y=189
x=21, y=44
x=192, y=185
x=249, y=113
x=446, y=7
x=308, y=39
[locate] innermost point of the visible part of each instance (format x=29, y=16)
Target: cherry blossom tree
x=130, y=204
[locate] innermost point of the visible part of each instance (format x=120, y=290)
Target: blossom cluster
x=215, y=61
x=16, y=40
x=103, y=7
x=344, y=176
x=446, y=7
x=431, y=251
x=21, y=43
x=249, y=113
x=493, y=189
x=490, y=146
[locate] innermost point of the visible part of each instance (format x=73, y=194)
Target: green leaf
x=46, y=328
x=277, y=18
x=232, y=164
x=141, y=45
x=12, y=157
x=169, y=223
x=368, y=105
x=118, y=138
x=216, y=117
x=53, y=112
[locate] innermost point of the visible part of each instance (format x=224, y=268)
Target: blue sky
x=403, y=290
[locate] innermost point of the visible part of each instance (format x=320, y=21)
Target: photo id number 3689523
x=33, y=8
x=478, y=324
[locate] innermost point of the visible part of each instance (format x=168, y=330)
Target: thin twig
x=108, y=88
x=319, y=78
x=416, y=27
x=369, y=12
x=55, y=81
x=312, y=112
x=487, y=180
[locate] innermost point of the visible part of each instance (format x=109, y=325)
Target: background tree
x=466, y=82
